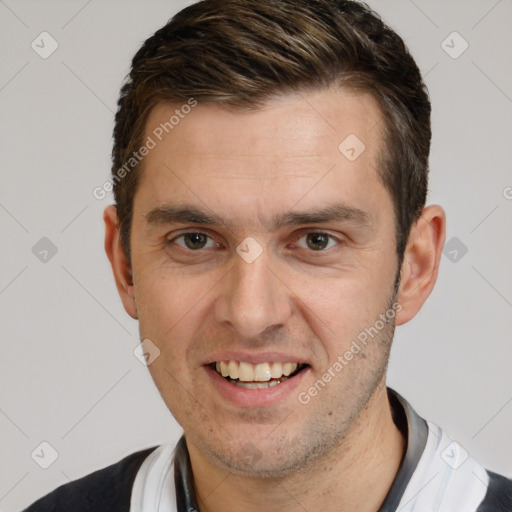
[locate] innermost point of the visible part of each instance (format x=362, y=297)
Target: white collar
x=153, y=489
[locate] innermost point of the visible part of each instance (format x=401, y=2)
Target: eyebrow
x=185, y=214
x=171, y=214
x=334, y=213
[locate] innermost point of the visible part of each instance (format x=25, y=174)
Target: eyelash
x=297, y=238
x=181, y=235
x=330, y=237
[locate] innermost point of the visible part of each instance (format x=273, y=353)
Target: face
x=262, y=251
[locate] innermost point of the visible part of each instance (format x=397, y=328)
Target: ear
x=421, y=262
x=118, y=260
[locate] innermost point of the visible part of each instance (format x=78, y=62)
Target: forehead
x=308, y=147
x=305, y=122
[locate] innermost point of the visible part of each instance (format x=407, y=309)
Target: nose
x=253, y=300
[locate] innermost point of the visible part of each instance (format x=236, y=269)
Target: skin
x=342, y=450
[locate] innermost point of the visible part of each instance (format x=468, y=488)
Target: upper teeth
x=249, y=372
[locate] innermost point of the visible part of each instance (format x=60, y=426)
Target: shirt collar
x=415, y=430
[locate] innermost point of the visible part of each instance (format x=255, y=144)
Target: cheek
x=338, y=309
x=169, y=311
x=168, y=306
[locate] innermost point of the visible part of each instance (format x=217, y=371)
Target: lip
x=247, y=357
x=253, y=398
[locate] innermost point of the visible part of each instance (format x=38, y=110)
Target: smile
x=256, y=376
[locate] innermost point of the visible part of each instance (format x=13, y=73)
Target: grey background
x=68, y=373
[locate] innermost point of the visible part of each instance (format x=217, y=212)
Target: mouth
x=256, y=376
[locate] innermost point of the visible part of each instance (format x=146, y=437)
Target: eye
x=194, y=241
x=317, y=241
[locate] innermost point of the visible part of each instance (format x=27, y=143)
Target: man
x=270, y=170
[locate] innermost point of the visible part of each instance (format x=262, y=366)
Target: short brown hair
x=239, y=53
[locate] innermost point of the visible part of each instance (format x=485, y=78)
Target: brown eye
x=317, y=241
x=194, y=241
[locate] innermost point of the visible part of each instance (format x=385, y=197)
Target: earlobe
x=120, y=265
x=421, y=262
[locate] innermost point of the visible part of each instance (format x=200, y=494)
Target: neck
x=356, y=475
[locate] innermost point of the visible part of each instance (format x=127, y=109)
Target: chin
x=265, y=459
